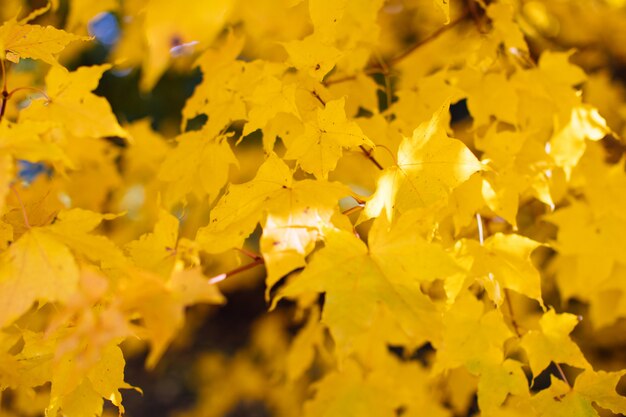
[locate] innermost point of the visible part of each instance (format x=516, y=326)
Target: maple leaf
x=168, y=26
x=292, y=214
x=319, y=148
x=430, y=165
x=155, y=251
x=471, y=337
x=313, y=56
x=161, y=304
x=497, y=382
x=19, y=40
x=503, y=261
x=26, y=141
x=552, y=343
x=337, y=392
x=590, y=387
x=71, y=104
x=198, y=165
x=35, y=267
x=40, y=265
x=356, y=279
x=76, y=389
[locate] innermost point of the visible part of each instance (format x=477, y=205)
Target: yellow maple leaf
x=292, y=214
x=497, y=382
x=74, y=386
x=590, y=387
x=26, y=140
x=312, y=56
x=503, y=261
x=319, y=148
x=599, y=387
x=73, y=227
x=357, y=279
x=36, y=267
x=552, y=343
x=18, y=40
x=348, y=393
x=161, y=304
x=156, y=251
x=168, y=26
x=430, y=165
x=472, y=337
x=71, y=104
x=198, y=165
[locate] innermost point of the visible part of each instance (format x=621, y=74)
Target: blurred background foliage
x=230, y=361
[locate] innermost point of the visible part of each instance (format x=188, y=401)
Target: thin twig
x=4, y=75
x=358, y=200
x=21, y=203
x=370, y=157
x=255, y=256
x=562, y=374
x=393, y=61
x=507, y=298
x=35, y=89
x=353, y=209
x=366, y=71
x=222, y=277
x=317, y=96
x=5, y=94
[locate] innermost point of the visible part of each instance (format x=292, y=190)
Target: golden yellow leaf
x=472, y=337
x=156, y=251
x=358, y=280
x=72, y=105
x=36, y=267
x=430, y=165
x=198, y=165
x=503, y=261
x=73, y=227
x=319, y=148
x=33, y=41
x=552, y=343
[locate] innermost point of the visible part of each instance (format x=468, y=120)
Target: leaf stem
x=21, y=203
x=562, y=374
x=35, y=89
x=353, y=209
x=255, y=256
x=222, y=277
x=5, y=94
x=4, y=75
x=368, y=153
x=507, y=299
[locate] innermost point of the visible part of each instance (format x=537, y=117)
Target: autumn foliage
x=427, y=197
